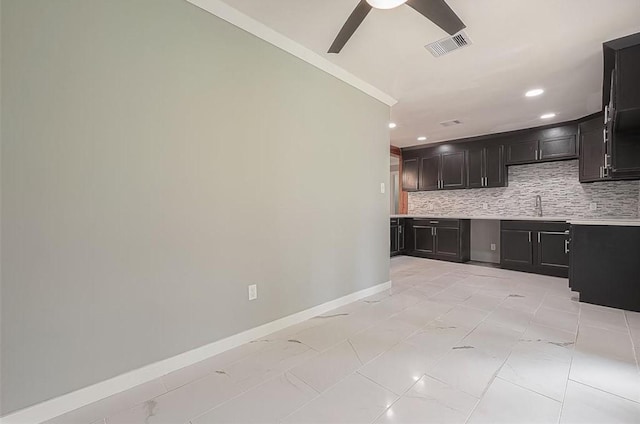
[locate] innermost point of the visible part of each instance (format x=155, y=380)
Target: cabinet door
x=516, y=248
x=522, y=152
x=429, y=173
x=447, y=242
x=627, y=88
x=452, y=170
x=475, y=167
x=410, y=174
x=394, y=239
x=592, y=150
x=423, y=239
x=495, y=170
x=553, y=253
x=558, y=148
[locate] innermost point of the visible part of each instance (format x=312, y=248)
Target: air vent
x=449, y=44
x=450, y=123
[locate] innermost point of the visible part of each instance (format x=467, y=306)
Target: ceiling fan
x=437, y=11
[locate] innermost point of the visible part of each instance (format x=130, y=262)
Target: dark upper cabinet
x=441, y=171
x=410, y=169
x=592, y=150
x=475, y=167
x=621, y=87
x=557, y=148
x=522, y=152
x=495, y=171
x=452, y=170
x=621, y=102
x=429, y=173
x=485, y=167
x=535, y=246
x=542, y=150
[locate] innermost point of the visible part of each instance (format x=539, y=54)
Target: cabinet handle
x=566, y=246
x=602, y=172
x=605, y=135
x=433, y=222
x=529, y=236
x=606, y=114
x=538, y=237
x=536, y=154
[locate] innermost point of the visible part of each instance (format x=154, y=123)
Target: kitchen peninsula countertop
x=574, y=221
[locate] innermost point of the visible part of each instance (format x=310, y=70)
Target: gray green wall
x=156, y=160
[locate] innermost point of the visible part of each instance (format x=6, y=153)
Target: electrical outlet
x=253, y=292
x=493, y=246
x=485, y=206
x=593, y=206
x=382, y=188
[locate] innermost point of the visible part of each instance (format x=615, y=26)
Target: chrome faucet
x=538, y=205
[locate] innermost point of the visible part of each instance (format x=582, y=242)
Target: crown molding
x=227, y=13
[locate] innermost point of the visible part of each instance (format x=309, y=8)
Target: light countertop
x=574, y=221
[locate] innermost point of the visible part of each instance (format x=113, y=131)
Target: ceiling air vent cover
x=449, y=44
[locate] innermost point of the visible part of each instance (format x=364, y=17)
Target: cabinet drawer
x=437, y=222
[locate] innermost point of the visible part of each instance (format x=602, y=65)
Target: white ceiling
x=517, y=45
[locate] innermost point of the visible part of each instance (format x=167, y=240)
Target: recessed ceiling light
x=422, y=138
x=548, y=116
x=392, y=125
x=534, y=92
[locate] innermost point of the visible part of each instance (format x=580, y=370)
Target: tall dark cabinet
x=621, y=103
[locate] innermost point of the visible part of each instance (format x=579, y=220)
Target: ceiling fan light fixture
x=386, y=4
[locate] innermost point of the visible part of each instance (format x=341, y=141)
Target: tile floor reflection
x=449, y=343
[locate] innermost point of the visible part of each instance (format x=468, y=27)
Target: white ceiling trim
x=239, y=19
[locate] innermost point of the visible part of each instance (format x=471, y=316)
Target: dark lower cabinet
x=445, y=239
x=517, y=250
x=397, y=236
x=535, y=246
x=605, y=265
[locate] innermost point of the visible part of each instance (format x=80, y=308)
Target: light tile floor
x=450, y=343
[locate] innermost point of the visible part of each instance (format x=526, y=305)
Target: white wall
x=155, y=161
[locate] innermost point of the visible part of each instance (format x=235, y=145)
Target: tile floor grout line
x=573, y=352
x=604, y=391
x=633, y=347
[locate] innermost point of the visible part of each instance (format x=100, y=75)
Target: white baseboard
x=61, y=405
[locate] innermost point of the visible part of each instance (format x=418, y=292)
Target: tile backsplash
x=556, y=182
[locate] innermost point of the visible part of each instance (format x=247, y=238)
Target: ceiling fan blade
x=438, y=12
x=349, y=27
